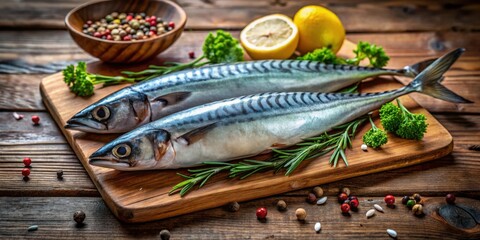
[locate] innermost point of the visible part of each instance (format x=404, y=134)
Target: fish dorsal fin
x=196, y=134
x=172, y=98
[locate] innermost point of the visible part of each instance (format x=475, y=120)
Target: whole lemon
x=318, y=27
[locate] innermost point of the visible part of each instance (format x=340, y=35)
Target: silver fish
x=246, y=126
x=147, y=101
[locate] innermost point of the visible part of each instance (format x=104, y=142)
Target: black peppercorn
x=60, y=174
x=233, y=206
x=164, y=234
x=405, y=200
x=79, y=216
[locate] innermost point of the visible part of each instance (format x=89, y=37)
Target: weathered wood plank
x=50, y=152
x=394, y=16
x=53, y=215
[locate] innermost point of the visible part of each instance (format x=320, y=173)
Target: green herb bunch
x=82, y=82
x=374, y=54
x=375, y=137
x=398, y=120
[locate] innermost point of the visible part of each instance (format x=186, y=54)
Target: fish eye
x=122, y=150
x=101, y=113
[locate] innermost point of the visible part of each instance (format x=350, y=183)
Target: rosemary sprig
x=337, y=140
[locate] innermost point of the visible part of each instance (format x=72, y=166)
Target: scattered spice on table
x=60, y=174
x=345, y=207
x=311, y=198
x=35, y=119
x=322, y=201
x=346, y=191
x=417, y=197
x=405, y=200
x=17, y=116
x=233, y=206
x=317, y=227
x=354, y=202
x=32, y=228
x=261, y=213
x=378, y=207
x=370, y=213
x=281, y=205
x=27, y=161
x=342, y=197
x=127, y=27
x=164, y=234
x=417, y=209
x=450, y=198
x=318, y=191
x=410, y=203
x=392, y=233
x=389, y=200
x=79, y=217
x=26, y=172
x=301, y=214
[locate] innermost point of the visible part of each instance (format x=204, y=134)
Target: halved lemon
x=271, y=37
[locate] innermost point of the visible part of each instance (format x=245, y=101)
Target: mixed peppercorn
x=127, y=27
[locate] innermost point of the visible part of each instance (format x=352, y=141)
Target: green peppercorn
x=134, y=24
x=411, y=203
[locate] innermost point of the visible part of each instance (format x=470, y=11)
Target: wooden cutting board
x=143, y=196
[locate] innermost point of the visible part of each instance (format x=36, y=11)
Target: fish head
x=139, y=149
x=114, y=114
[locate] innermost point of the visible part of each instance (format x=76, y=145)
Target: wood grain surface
x=33, y=31
x=143, y=196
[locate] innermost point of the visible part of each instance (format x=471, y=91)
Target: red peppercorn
x=97, y=35
x=89, y=22
x=35, y=119
x=389, y=200
x=342, y=197
x=450, y=198
x=261, y=213
x=191, y=54
x=129, y=17
x=345, y=208
x=127, y=38
x=107, y=31
x=311, y=198
x=109, y=37
x=354, y=203
x=171, y=24
x=27, y=161
x=25, y=172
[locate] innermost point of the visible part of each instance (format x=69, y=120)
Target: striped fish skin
x=246, y=126
x=150, y=100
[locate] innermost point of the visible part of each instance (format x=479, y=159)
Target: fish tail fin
x=416, y=68
x=429, y=80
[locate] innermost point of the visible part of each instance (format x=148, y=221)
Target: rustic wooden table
x=32, y=34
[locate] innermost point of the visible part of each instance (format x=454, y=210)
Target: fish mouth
x=85, y=125
x=108, y=163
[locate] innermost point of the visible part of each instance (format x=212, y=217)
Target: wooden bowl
x=125, y=51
